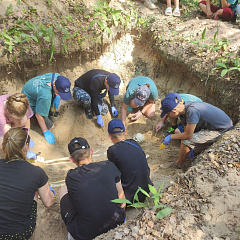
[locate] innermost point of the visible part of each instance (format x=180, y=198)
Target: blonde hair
x=13, y=142
x=17, y=105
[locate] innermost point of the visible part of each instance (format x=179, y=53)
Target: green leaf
x=203, y=33
x=53, y=37
x=49, y=31
x=108, y=30
x=204, y=45
x=122, y=20
x=215, y=35
x=139, y=205
x=10, y=48
x=7, y=37
x=135, y=198
x=215, y=49
x=156, y=201
x=222, y=65
x=224, y=72
x=100, y=24
x=159, y=206
x=92, y=23
x=163, y=213
x=42, y=28
x=17, y=39
x=120, y=200
x=104, y=16
x=47, y=38
x=35, y=39
x=157, y=195
x=144, y=192
x=160, y=188
x=152, y=189
x=65, y=48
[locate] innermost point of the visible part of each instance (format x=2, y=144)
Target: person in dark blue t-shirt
x=203, y=124
x=130, y=159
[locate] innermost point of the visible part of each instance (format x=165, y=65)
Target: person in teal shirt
x=225, y=11
x=176, y=128
x=141, y=93
x=42, y=92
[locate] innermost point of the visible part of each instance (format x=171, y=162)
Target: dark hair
x=13, y=142
x=17, y=104
x=81, y=155
x=117, y=135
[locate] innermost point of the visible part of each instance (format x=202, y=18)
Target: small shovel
x=162, y=146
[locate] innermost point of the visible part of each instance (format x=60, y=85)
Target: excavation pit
x=127, y=57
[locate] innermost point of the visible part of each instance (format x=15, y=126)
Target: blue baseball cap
x=113, y=81
x=63, y=86
x=115, y=123
x=142, y=95
x=169, y=103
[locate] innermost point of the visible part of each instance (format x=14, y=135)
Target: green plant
x=104, y=16
x=228, y=64
x=156, y=196
x=9, y=10
x=214, y=45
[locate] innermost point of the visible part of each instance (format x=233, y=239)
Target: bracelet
x=142, y=113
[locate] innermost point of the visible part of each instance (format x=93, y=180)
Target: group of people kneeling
x=85, y=200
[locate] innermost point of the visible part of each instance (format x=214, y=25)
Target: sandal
x=176, y=12
x=168, y=11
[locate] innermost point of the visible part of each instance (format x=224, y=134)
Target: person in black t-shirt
x=87, y=91
x=85, y=200
x=130, y=159
x=20, y=184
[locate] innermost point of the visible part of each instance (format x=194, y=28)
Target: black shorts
x=68, y=211
x=28, y=233
x=48, y=122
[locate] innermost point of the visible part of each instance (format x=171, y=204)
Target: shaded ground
x=206, y=197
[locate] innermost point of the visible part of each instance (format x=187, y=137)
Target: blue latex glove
x=167, y=140
x=114, y=111
x=31, y=155
x=56, y=102
x=100, y=120
x=31, y=143
x=51, y=189
x=191, y=154
x=49, y=137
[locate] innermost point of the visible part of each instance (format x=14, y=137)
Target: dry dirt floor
x=205, y=193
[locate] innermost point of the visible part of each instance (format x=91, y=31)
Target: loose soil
x=205, y=193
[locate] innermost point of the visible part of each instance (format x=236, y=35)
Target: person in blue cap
x=130, y=159
x=88, y=89
x=140, y=95
x=42, y=92
x=203, y=125
x=176, y=128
